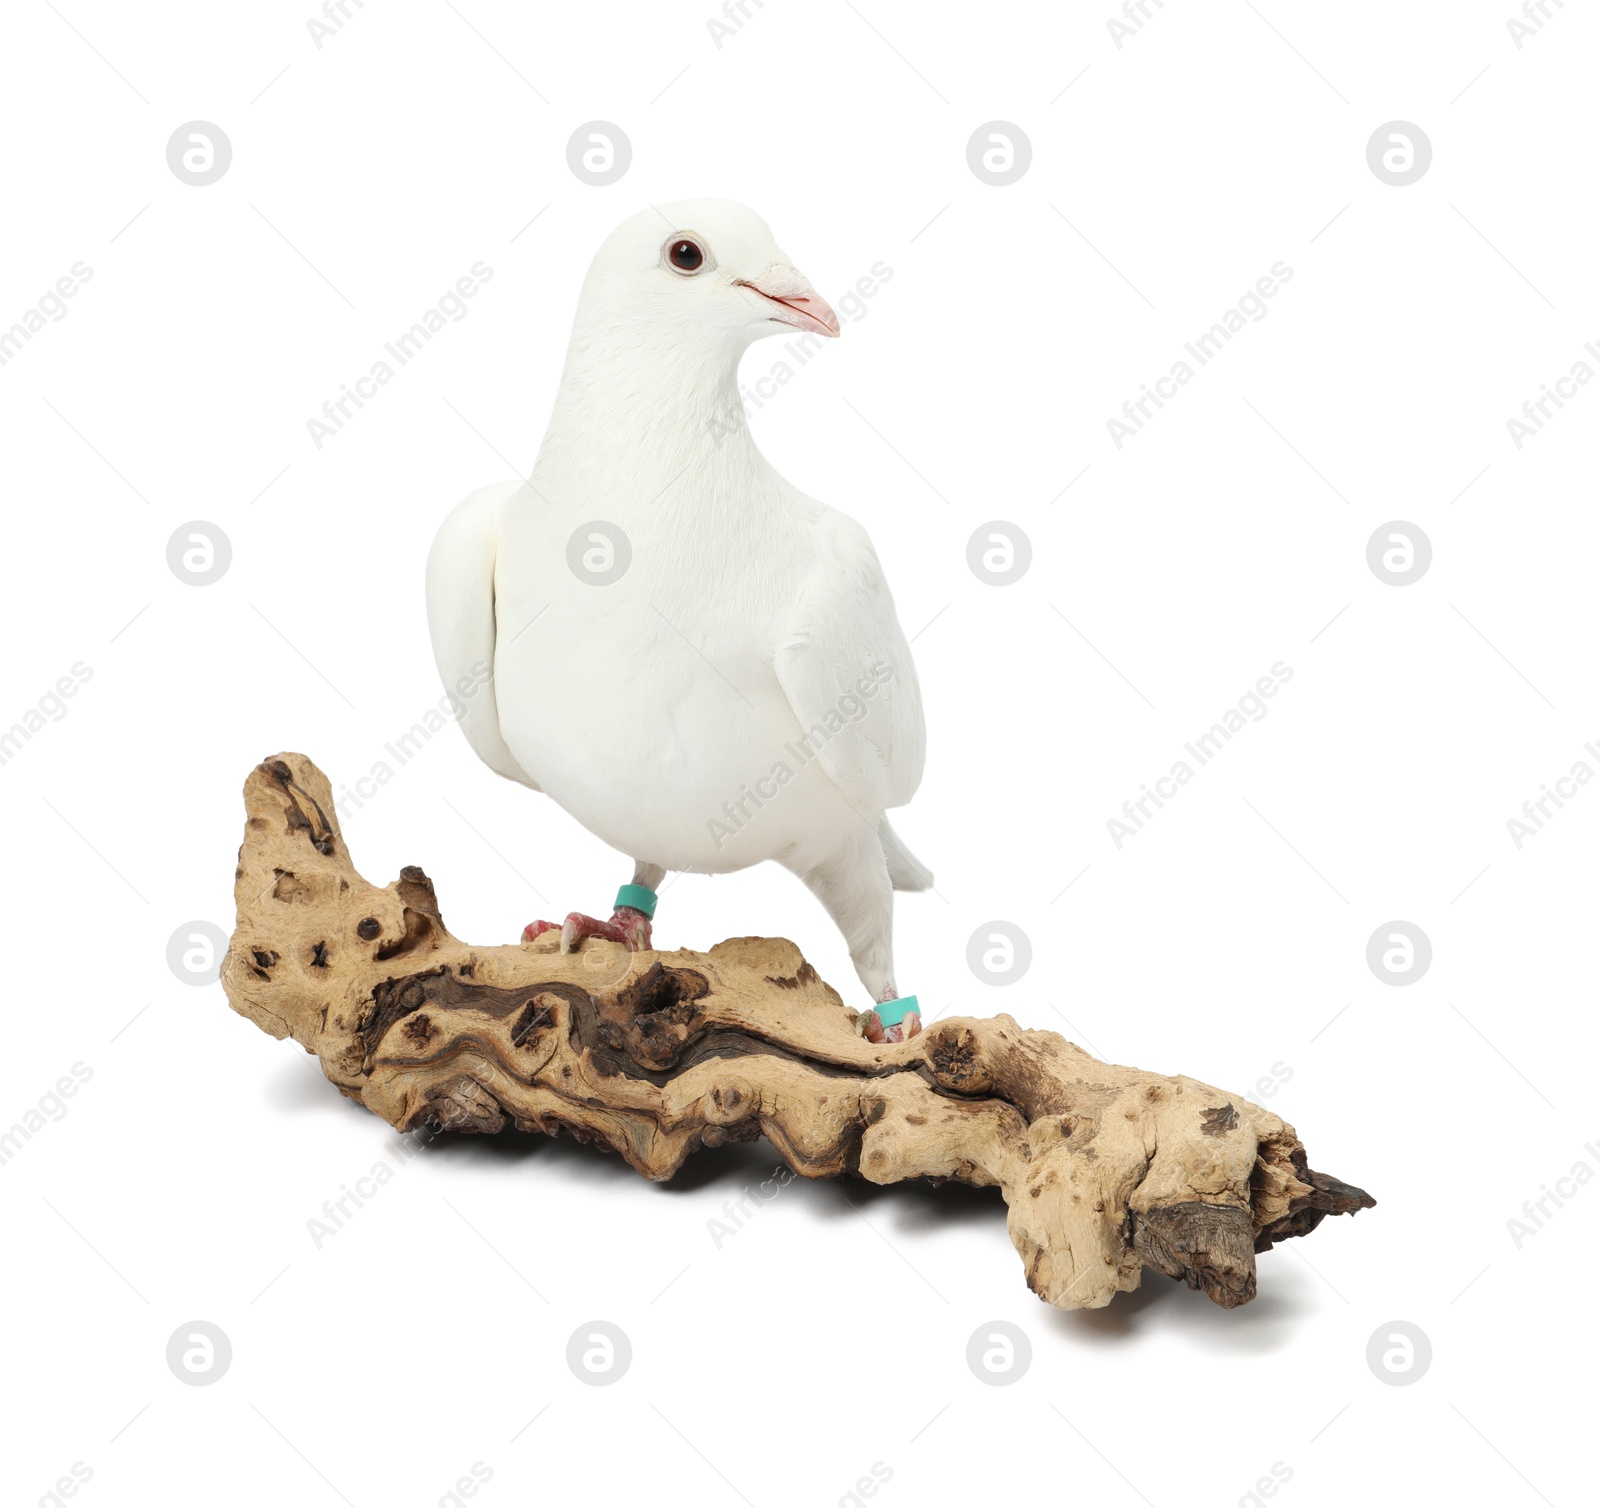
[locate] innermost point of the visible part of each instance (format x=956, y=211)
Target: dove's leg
x=628, y=925
x=855, y=888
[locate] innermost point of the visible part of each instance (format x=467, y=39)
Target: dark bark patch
x=395, y=999
x=660, y=988
x=461, y=1104
x=1210, y=1247
x=804, y=975
x=302, y=814
x=1219, y=1121
x=1334, y=1197
x=954, y=1060
x=535, y=1017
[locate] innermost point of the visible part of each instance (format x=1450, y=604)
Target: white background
x=1226, y=937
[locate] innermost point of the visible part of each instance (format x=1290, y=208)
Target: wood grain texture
x=1105, y=1170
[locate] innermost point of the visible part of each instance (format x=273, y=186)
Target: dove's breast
x=635, y=683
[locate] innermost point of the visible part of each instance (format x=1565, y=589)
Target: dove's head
x=705, y=275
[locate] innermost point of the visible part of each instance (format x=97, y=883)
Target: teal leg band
x=893, y=1012
x=638, y=898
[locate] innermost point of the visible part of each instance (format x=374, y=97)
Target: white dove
x=692, y=657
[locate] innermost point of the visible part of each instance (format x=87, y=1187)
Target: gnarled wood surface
x=1105, y=1170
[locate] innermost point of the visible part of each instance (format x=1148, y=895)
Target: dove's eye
x=685, y=254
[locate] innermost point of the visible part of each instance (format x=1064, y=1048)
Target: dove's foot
x=871, y=1026
x=895, y=1020
x=629, y=927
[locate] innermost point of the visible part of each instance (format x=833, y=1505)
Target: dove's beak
x=785, y=295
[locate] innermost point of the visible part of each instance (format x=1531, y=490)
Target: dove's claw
x=909, y=1027
x=870, y=1025
x=629, y=927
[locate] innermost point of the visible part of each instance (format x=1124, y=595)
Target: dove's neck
x=638, y=408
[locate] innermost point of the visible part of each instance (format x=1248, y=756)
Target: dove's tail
x=906, y=871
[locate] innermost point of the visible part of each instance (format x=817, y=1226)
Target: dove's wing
x=846, y=668
x=461, y=621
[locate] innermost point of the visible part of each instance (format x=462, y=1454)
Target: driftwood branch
x=1105, y=1170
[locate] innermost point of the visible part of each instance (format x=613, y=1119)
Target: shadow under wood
x=297, y=1084
x=1272, y=1321
x=915, y=1207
